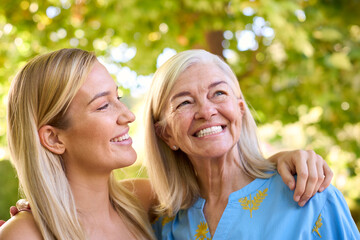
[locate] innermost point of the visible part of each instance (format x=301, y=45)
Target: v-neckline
x=233, y=198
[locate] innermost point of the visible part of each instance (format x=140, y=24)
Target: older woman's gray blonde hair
x=171, y=173
x=40, y=95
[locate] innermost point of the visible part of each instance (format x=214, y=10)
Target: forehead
x=201, y=75
x=98, y=80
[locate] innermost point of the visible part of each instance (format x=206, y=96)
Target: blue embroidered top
x=264, y=209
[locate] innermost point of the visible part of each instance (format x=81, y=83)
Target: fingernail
x=297, y=198
x=302, y=203
x=290, y=184
x=321, y=189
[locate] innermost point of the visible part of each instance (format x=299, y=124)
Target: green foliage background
x=303, y=81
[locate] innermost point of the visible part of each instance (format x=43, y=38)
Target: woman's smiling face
x=97, y=139
x=203, y=115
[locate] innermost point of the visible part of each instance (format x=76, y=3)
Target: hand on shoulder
x=142, y=189
x=21, y=226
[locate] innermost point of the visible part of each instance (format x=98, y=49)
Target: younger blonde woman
x=67, y=131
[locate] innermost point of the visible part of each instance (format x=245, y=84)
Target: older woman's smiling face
x=203, y=114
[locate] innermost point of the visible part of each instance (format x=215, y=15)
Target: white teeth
x=121, y=138
x=209, y=131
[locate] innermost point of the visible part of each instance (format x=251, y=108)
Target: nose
x=205, y=110
x=125, y=115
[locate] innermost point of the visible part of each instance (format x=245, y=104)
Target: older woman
x=207, y=169
x=67, y=131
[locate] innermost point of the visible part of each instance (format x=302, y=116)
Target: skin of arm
x=21, y=226
x=313, y=175
x=142, y=189
x=310, y=178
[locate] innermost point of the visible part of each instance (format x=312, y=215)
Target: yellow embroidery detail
x=165, y=220
x=202, y=231
x=318, y=225
x=253, y=204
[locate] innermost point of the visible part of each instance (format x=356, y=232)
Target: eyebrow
x=217, y=83
x=187, y=93
x=101, y=94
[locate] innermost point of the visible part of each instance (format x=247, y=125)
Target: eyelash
x=106, y=105
x=183, y=103
x=222, y=93
x=103, y=107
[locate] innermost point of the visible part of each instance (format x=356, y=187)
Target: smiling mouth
x=209, y=131
x=121, y=138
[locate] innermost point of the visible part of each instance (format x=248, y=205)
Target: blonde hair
x=171, y=173
x=40, y=95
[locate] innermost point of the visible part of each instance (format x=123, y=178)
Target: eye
x=183, y=104
x=218, y=93
x=103, y=107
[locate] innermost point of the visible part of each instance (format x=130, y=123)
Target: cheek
x=182, y=117
x=234, y=115
x=232, y=111
x=92, y=130
x=180, y=124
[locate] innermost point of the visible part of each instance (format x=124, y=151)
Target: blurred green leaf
x=9, y=189
x=340, y=61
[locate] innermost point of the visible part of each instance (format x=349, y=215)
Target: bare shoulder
x=142, y=188
x=21, y=226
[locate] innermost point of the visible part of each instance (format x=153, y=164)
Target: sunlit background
x=297, y=62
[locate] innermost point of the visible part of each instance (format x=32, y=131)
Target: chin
x=128, y=159
x=217, y=152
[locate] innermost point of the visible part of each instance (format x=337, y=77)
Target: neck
x=96, y=214
x=91, y=195
x=219, y=177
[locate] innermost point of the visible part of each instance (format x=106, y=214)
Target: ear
x=241, y=105
x=49, y=139
x=164, y=134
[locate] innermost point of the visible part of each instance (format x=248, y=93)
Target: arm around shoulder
x=21, y=226
x=143, y=190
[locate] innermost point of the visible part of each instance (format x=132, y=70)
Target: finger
x=302, y=175
x=286, y=175
x=311, y=180
x=320, y=173
x=328, y=177
x=13, y=211
x=2, y=222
